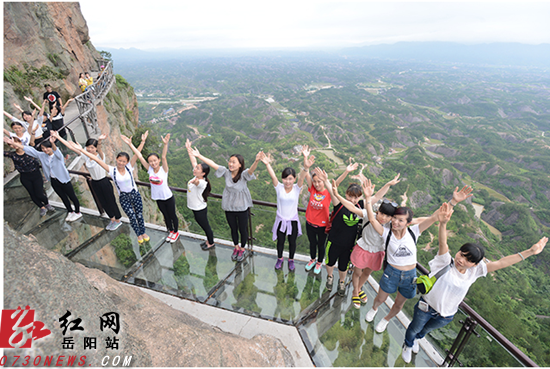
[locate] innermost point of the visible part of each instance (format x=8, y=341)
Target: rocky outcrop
x=152, y=333
x=419, y=199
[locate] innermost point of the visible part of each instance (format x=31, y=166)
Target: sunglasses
x=392, y=203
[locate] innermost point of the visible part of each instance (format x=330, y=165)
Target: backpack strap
x=131, y=177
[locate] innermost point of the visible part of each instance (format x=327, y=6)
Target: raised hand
x=267, y=159
x=539, y=246
x=188, y=144
x=165, y=139
x=445, y=212
x=17, y=106
x=321, y=173
x=463, y=194
x=54, y=134
x=305, y=151
x=102, y=137
x=27, y=98
x=309, y=161
x=260, y=155
x=76, y=146
x=145, y=135
x=395, y=181
x=351, y=167
x=334, y=187
x=127, y=140
x=368, y=188
x=8, y=140
x=195, y=152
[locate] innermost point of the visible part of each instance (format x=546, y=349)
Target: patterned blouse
x=23, y=163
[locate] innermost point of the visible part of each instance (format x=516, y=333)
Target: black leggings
x=103, y=189
x=168, y=210
x=33, y=183
x=317, y=238
x=238, y=222
x=201, y=216
x=291, y=240
x=66, y=192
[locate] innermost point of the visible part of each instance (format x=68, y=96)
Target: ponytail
x=206, y=192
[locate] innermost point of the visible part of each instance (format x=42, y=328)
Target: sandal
x=363, y=296
x=356, y=302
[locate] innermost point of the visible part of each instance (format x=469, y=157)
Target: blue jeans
x=399, y=280
x=423, y=323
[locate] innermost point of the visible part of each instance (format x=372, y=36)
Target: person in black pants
x=198, y=190
x=30, y=176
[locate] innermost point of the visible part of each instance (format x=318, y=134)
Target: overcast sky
x=212, y=24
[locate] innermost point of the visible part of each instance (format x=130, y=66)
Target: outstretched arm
x=165, y=140
x=195, y=152
x=63, y=107
x=516, y=258
x=350, y=168
x=17, y=145
x=368, y=189
x=8, y=115
x=267, y=159
x=137, y=154
x=76, y=147
x=99, y=140
x=56, y=135
x=255, y=164
x=190, y=153
x=308, y=162
x=301, y=177
x=384, y=190
x=458, y=196
x=445, y=212
x=354, y=209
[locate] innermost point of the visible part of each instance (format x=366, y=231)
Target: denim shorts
x=399, y=280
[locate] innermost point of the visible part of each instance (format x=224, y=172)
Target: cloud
x=211, y=24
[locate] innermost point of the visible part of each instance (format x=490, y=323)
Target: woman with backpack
x=400, y=241
x=437, y=308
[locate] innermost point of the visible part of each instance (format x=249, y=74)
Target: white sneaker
x=175, y=236
x=69, y=217
x=370, y=315
x=169, y=237
x=381, y=326
x=416, y=347
x=76, y=216
x=406, y=354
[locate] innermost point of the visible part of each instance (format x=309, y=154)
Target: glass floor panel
x=338, y=335
x=117, y=253
x=184, y=269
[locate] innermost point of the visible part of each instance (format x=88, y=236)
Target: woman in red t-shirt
x=317, y=213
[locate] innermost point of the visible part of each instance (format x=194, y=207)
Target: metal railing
x=87, y=100
x=468, y=326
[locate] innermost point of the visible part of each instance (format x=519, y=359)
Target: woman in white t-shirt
x=198, y=189
x=287, y=222
x=160, y=192
x=437, y=308
x=400, y=272
x=128, y=195
x=100, y=184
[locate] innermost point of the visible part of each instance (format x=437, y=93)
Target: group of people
x=85, y=81
x=386, y=239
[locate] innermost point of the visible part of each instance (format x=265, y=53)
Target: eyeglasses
x=392, y=203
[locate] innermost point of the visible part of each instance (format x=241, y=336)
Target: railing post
x=250, y=232
x=468, y=327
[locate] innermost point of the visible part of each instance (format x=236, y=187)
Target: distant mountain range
x=498, y=54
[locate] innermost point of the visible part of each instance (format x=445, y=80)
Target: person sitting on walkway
x=437, y=308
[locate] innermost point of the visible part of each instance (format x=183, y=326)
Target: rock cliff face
x=152, y=333
x=51, y=40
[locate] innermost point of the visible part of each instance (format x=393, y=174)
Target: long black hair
x=91, y=142
x=241, y=169
x=206, y=192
